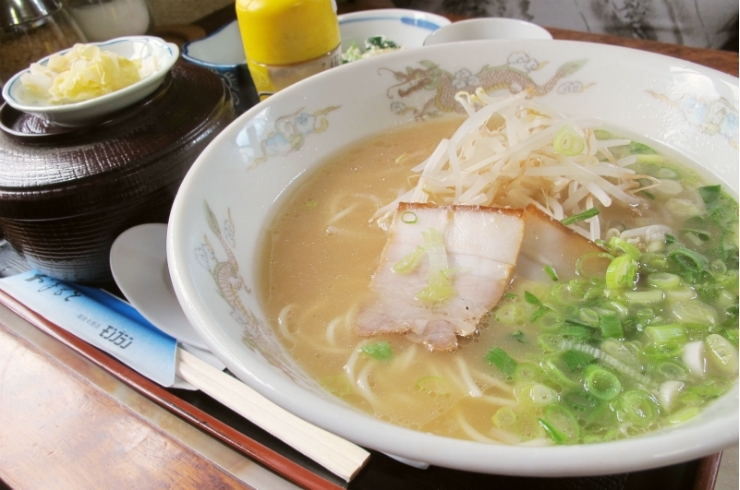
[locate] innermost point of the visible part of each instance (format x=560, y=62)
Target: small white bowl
x=88, y=111
x=487, y=28
x=407, y=28
x=223, y=53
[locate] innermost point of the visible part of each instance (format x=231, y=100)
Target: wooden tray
x=381, y=472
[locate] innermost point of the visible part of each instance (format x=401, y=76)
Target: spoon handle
x=338, y=455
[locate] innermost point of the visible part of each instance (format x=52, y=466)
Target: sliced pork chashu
x=481, y=244
x=549, y=242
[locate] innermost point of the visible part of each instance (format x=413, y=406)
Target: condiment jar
x=287, y=40
x=31, y=30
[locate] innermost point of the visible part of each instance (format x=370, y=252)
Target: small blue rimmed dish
x=406, y=28
x=223, y=53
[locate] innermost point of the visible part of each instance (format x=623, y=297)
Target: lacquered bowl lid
x=82, y=167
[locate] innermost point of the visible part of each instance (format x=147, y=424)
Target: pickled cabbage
x=82, y=73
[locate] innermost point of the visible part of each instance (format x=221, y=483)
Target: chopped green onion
x=575, y=359
x=560, y=424
x=590, y=265
x=536, y=393
x=380, y=351
x=670, y=239
x=581, y=322
x=409, y=217
x=526, y=371
x=532, y=299
x=683, y=415
x=409, y=262
x=504, y=418
x=621, y=245
x=511, y=313
x=601, y=383
x=710, y=193
x=539, y=313
x=439, y=285
x=664, y=280
x=568, y=142
x=587, y=214
x=519, y=337
x=702, y=235
x=667, y=173
x=621, y=273
x=558, y=375
x=667, y=335
x=721, y=353
x=649, y=158
x=499, y=358
x=638, y=408
x=672, y=371
x=644, y=297
x=694, y=311
x=688, y=259
x=550, y=342
x=439, y=288
x=610, y=325
x=550, y=271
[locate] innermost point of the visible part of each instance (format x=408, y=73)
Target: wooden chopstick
x=338, y=455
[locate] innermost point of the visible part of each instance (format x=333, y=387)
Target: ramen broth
x=544, y=367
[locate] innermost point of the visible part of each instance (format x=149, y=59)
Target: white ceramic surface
x=407, y=28
x=81, y=113
x=138, y=261
x=233, y=190
x=222, y=52
x=487, y=28
x=223, y=47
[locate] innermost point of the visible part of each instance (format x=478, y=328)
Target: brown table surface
x=65, y=423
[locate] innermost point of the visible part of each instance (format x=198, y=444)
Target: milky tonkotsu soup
x=566, y=356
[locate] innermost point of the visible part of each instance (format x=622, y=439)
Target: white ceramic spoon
x=138, y=261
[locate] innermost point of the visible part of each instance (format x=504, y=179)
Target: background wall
x=173, y=12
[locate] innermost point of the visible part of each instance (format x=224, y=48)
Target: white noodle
x=470, y=432
x=331, y=328
x=364, y=385
x=341, y=214
x=282, y=321
x=473, y=389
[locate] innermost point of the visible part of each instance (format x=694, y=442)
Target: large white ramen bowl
x=239, y=182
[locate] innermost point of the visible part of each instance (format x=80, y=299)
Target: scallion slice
x=499, y=358
x=710, y=193
x=587, y=214
x=409, y=262
x=575, y=359
x=610, y=325
x=568, y=142
x=550, y=271
x=689, y=260
x=621, y=273
x=601, y=383
x=669, y=335
x=638, y=408
x=560, y=424
x=664, y=280
x=380, y=351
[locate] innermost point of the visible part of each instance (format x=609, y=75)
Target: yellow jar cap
x=283, y=32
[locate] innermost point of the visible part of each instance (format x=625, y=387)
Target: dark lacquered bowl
x=66, y=194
